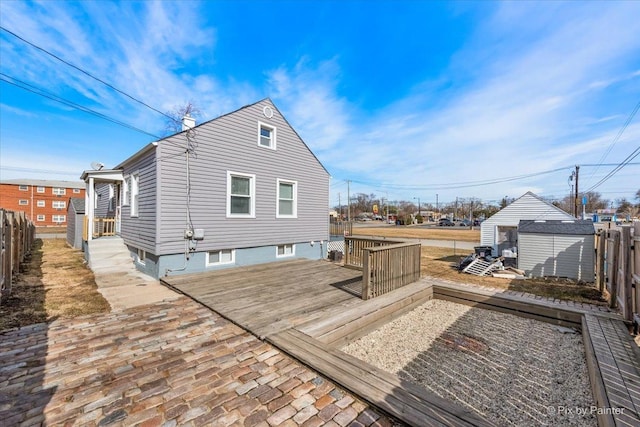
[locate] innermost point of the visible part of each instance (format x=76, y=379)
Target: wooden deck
x=613, y=360
x=269, y=298
x=310, y=308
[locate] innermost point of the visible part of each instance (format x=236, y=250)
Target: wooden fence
x=17, y=235
x=386, y=264
x=618, y=268
x=341, y=228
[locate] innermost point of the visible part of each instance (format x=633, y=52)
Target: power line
x=86, y=73
x=615, y=170
x=617, y=137
x=45, y=94
x=461, y=184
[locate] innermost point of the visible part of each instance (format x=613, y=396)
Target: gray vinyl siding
x=557, y=255
x=527, y=207
x=102, y=207
x=230, y=143
x=140, y=231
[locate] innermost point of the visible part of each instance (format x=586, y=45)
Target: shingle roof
x=575, y=227
x=78, y=204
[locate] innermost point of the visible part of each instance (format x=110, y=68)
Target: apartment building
x=45, y=202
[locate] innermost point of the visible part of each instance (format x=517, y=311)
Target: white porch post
x=89, y=207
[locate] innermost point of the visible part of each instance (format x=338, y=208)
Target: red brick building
x=44, y=202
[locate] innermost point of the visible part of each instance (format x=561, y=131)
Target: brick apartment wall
x=10, y=196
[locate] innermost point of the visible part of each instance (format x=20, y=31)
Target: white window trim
x=125, y=190
x=274, y=134
x=60, y=191
x=40, y=189
x=58, y=204
x=135, y=191
x=64, y=218
x=252, y=194
x=233, y=258
x=41, y=218
x=295, y=198
x=76, y=191
x=141, y=256
x=23, y=188
x=293, y=250
x=41, y=203
x=23, y=202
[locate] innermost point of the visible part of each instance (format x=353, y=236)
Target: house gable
x=527, y=207
x=530, y=207
x=197, y=195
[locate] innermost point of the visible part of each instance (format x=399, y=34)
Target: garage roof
x=575, y=227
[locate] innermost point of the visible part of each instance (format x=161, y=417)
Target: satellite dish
x=96, y=166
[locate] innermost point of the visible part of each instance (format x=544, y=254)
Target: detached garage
x=557, y=248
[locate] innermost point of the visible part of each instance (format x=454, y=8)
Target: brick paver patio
x=166, y=364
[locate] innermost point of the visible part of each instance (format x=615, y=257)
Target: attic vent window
x=266, y=136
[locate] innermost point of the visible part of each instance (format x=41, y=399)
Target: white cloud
x=309, y=97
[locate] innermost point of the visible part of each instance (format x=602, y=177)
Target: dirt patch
x=443, y=233
x=442, y=262
x=53, y=282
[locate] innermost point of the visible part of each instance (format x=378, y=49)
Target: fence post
x=5, y=255
x=626, y=245
x=600, y=260
x=613, y=271
x=635, y=273
x=366, y=274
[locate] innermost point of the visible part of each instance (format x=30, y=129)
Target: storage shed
x=75, y=222
x=500, y=230
x=557, y=248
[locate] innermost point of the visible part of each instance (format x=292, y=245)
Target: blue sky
x=405, y=99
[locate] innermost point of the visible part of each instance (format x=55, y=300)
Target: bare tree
x=173, y=123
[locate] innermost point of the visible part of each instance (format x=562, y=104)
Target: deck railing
x=386, y=264
x=387, y=268
x=101, y=227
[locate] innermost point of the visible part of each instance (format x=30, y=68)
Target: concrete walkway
x=118, y=280
x=167, y=364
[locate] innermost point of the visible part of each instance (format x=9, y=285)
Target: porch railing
x=101, y=227
x=386, y=264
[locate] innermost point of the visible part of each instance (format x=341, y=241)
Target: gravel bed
x=511, y=370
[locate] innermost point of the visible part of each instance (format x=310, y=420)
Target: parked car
x=445, y=222
x=465, y=223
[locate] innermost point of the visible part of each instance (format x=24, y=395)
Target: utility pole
x=437, y=208
x=386, y=218
x=577, y=192
x=348, y=201
x=455, y=215
x=340, y=204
